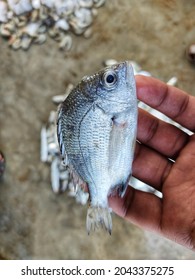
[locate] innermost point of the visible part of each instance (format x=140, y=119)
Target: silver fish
x=96, y=129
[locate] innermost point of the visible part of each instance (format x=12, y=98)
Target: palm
x=178, y=214
x=174, y=215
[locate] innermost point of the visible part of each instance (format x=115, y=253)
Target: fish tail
x=97, y=216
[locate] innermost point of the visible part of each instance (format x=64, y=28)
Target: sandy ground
x=35, y=223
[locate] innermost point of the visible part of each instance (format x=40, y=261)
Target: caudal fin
x=97, y=216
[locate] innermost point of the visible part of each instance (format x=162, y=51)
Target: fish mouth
x=129, y=73
x=129, y=76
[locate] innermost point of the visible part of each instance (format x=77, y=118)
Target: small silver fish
x=96, y=127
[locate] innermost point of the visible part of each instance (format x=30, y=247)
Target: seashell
x=16, y=20
x=59, y=36
x=55, y=175
x=25, y=42
x=94, y=12
x=12, y=39
x=16, y=43
x=19, y=33
x=52, y=148
x=65, y=8
x=52, y=117
x=190, y=53
x=88, y=32
x=63, y=185
x=66, y=43
x=48, y=3
x=173, y=81
x=144, y=73
x=43, y=11
x=4, y=31
x=10, y=14
x=69, y=89
x=64, y=175
x=82, y=197
x=19, y=7
x=86, y=3
x=54, y=33
x=84, y=17
x=32, y=29
x=42, y=29
x=36, y=4
x=22, y=21
x=78, y=30
x=62, y=24
x=40, y=39
x=109, y=62
x=35, y=15
x=49, y=21
x=72, y=190
x=98, y=3
x=3, y=11
x=10, y=26
x=57, y=99
x=55, y=17
x=44, y=145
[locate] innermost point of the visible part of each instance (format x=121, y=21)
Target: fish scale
x=95, y=146
x=97, y=126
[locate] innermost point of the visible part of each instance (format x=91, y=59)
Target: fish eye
x=109, y=78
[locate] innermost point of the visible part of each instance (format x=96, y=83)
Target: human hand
x=173, y=216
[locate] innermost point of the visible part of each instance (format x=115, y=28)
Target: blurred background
x=36, y=223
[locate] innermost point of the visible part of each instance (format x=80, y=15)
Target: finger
x=182, y=172
x=169, y=100
x=141, y=208
x=161, y=136
x=150, y=167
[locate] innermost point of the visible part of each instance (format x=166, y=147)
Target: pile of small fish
x=24, y=22
x=61, y=179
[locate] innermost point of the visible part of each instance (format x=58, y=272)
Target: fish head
x=116, y=90
x=113, y=87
